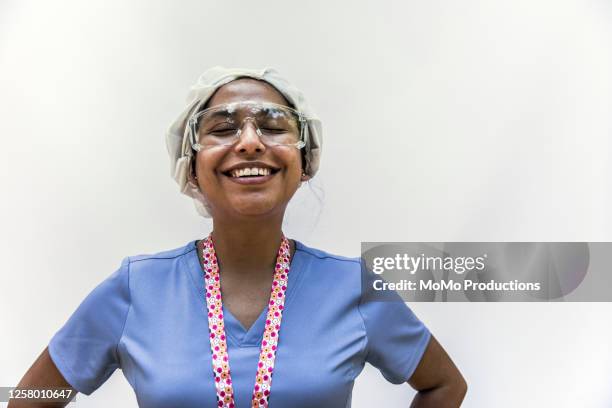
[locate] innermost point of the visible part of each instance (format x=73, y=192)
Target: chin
x=256, y=209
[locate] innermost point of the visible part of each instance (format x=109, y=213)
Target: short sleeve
x=396, y=338
x=85, y=348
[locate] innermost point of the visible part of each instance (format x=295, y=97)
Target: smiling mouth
x=253, y=172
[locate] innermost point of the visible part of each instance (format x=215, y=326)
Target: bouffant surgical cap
x=177, y=136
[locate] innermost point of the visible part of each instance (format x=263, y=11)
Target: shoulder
x=165, y=254
x=330, y=269
x=319, y=255
x=161, y=261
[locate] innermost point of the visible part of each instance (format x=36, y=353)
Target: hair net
x=177, y=136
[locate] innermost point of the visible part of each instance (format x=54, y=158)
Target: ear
x=305, y=177
x=191, y=174
x=192, y=178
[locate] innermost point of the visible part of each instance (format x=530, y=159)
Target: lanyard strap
x=216, y=326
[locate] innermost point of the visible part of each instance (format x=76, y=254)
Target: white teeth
x=253, y=171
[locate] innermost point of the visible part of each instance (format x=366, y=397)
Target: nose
x=249, y=141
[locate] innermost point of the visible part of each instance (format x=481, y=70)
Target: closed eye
x=274, y=130
x=223, y=132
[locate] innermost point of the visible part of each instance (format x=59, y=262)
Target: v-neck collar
x=234, y=330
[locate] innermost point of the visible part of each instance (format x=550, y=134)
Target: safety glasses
x=223, y=125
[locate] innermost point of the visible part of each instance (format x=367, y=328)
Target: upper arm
x=395, y=337
x=85, y=350
x=435, y=369
x=43, y=374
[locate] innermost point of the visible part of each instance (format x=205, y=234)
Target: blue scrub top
x=149, y=319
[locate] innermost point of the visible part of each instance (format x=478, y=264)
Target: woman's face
x=226, y=195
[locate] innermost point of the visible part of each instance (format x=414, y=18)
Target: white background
x=443, y=121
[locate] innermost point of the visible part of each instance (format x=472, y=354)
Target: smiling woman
x=245, y=296
x=233, y=134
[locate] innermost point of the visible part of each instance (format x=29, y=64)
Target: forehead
x=244, y=89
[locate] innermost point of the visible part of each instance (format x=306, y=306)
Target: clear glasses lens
x=222, y=125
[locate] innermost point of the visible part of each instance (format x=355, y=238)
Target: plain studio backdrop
x=443, y=121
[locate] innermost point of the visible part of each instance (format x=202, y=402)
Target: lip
x=248, y=165
x=253, y=180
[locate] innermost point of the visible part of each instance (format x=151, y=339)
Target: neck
x=247, y=248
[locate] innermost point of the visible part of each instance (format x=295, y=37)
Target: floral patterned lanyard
x=216, y=325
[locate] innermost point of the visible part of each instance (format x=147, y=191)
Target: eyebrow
x=221, y=113
x=224, y=114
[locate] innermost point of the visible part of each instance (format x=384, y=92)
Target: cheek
x=204, y=167
x=206, y=163
x=294, y=174
x=294, y=165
